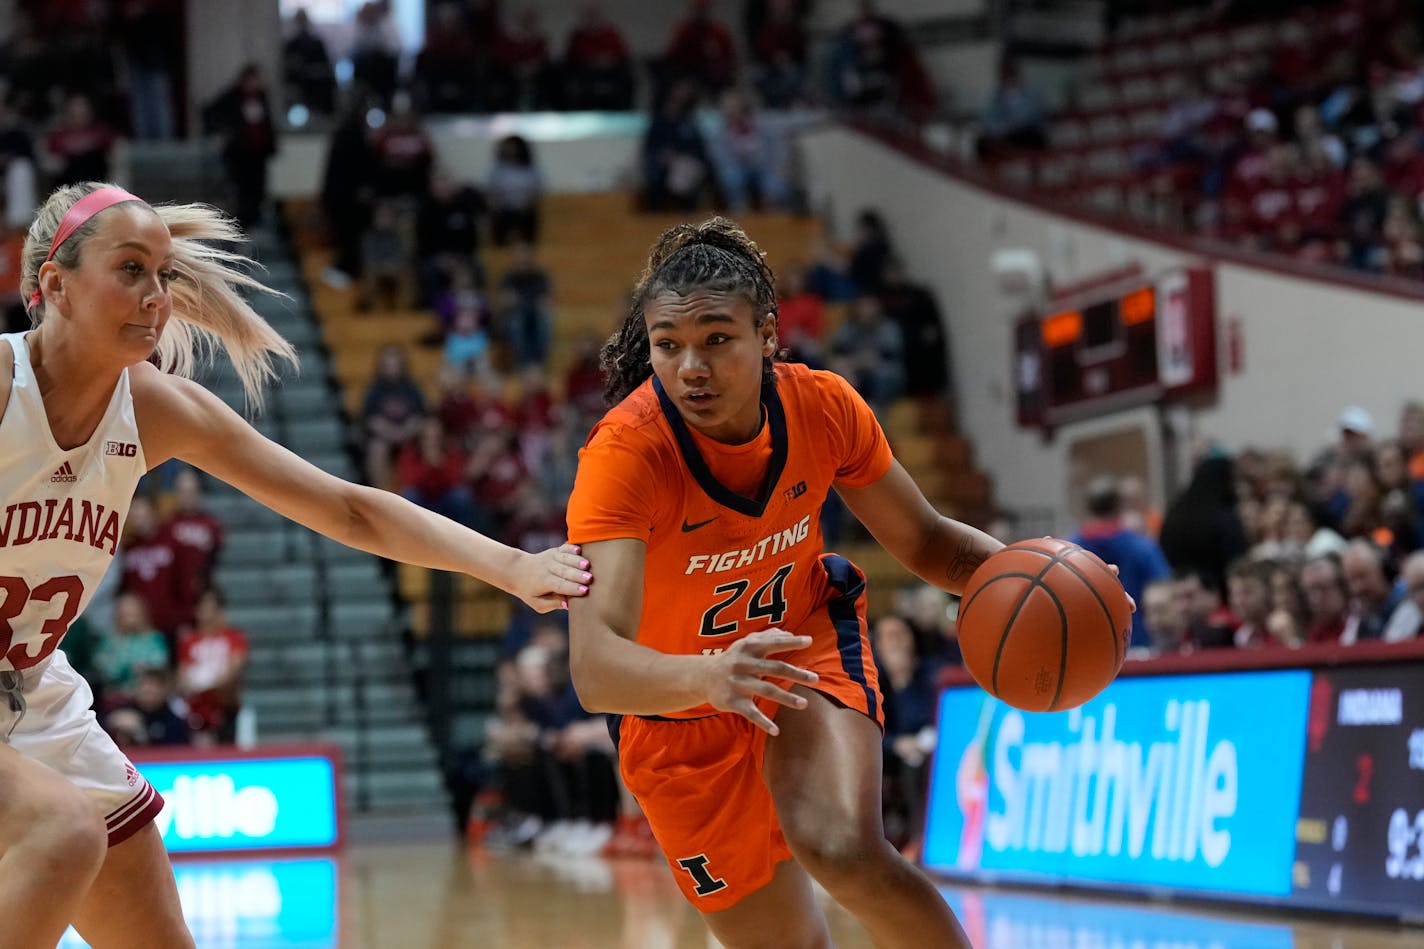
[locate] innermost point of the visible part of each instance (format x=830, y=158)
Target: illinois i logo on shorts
x=707, y=884
x=122, y=449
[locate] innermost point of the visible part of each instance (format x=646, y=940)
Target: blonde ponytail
x=209, y=311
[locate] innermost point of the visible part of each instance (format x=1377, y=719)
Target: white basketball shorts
x=59, y=730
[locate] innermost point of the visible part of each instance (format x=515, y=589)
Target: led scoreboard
x=1132, y=342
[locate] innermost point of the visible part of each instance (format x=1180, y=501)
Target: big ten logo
x=795, y=491
x=122, y=449
x=202, y=807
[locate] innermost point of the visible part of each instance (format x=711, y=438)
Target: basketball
x=1044, y=625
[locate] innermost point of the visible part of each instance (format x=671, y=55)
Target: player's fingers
x=770, y=690
x=772, y=641
x=1131, y=603
x=785, y=670
x=759, y=718
x=545, y=604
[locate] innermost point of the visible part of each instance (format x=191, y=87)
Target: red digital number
x=1365, y=767
x=17, y=595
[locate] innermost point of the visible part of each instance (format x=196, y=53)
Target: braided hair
x=716, y=255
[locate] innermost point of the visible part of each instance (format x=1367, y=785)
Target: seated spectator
x=497, y=472
x=307, y=72
x=1362, y=215
x=384, y=264
x=1307, y=535
x=1408, y=617
x=1138, y=558
x=1015, y=116
x=750, y=158
x=447, y=234
x=910, y=698
x=583, y=379
x=1327, y=601
x=467, y=344
x=79, y=144
x=521, y=57
x=1248, y=585
x=514, y=191
x=867, y=349
x=866, y=60
x=431, y=472
x=1209, y=621
x=597, y=65
x=446, y=77
x=535, y=524
x=926, y=609
x=1369, y=576
x=390, y=413
x=828, y=276
x=1163, y=620
x=197, y=539
x=153, y=716
x=778, y=50
x=676, y=166
x=212, y=657
x=871, y=253
x=912, y=306
x=700, y=51
x=526, y=323
x=150, y=568
x=131, y=647
x=800, y=317
x=464, y=293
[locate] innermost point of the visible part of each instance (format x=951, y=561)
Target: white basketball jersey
x=61, y=513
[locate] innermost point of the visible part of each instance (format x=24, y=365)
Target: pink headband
x=79, y=212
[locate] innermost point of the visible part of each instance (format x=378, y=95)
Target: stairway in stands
x=327, y=662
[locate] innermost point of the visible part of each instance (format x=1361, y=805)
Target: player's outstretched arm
x=180, y=419
x=614, y=673
x=935, y=548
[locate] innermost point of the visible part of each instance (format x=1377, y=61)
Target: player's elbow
x=591, y=686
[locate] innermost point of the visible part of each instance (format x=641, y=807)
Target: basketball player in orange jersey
x=696, y=503
x=110, y=282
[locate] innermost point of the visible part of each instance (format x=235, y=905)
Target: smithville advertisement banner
x=1188, y=782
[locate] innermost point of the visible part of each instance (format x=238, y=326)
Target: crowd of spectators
x=165, y=665
x=1257, y=552
x=1307, y=143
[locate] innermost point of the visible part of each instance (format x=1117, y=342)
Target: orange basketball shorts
x=699, y=781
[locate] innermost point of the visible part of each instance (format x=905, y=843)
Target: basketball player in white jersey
x=83, y=414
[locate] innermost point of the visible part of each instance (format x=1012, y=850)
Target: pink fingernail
x=583, y=589
x=583, y=564
x=564, y=603
x=587, y=577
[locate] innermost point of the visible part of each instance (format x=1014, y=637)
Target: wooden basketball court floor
x=438, y=894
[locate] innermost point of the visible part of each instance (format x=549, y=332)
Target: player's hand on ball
x=546, y=580
x=734, y=679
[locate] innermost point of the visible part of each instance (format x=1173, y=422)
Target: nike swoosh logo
x=692, y=527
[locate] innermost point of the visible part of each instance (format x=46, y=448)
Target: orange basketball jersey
x=733, y=531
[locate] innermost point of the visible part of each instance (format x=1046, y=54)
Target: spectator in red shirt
x=598, y=67
x=701, y=51
x=522, y=55
x=149, y=568
x=497, y=472
x=800, y=316
x=430, y=471
x=1327, y=600
x=583, y=380
x=196, y=538
x=211, y=660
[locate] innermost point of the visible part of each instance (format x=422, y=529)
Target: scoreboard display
x=1360, y=837
x=1132, y=342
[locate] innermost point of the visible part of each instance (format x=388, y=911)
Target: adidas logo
x=65, y=475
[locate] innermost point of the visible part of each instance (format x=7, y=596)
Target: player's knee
x=70, y=830
x=835, y=856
